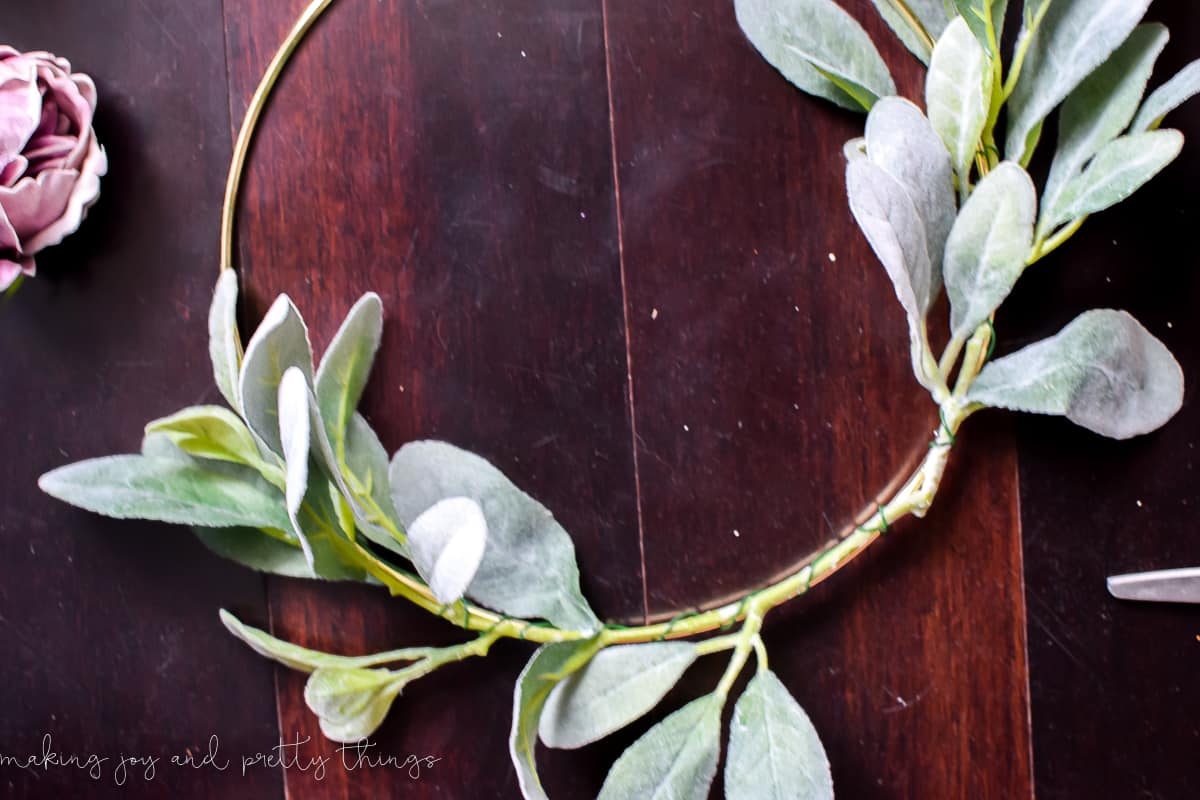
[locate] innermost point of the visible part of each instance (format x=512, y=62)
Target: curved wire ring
x=241, y=148
x=241, y=151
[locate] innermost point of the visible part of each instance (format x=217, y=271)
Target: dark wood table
x=604, y=232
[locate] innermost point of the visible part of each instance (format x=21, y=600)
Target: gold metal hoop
x=258, y=102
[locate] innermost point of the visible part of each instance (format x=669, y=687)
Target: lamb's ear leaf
x=676, y=758
x=346, y=366
x=1103, y=371
x=528, y=567
x=1121, y=167
x=281, y=342
x=209, y=494
x=447, y=542
x=892, y=225
x=295, y=432
x=1098, y=110
x=902, y=142
x=976, y=14
x=549, y=665
x=352, y=702
x=930, y=15
x=1073, y=39
x=1171, y=95
x=619, y=685
x=819, y=48
x=224, y=343
x=293, y=655
x=958, y=94
x=367, y=463
x=989, y=245
x=774, y=750
x=211, y=432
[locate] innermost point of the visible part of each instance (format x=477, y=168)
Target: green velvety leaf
x=901, y=141
x=774, y=750
x=447, y=542
x=352, y=703
x=896, y=232
x=209, y=432
x=224, y=344
x=989, y=245
x=929, y=14
x=346, y=366
x=294, y=656
x=1075, y=37
x=618, y=685
x=199, y=493
x=676, y=759
x=1097, y=111
x=1103, y=371
x=977, y=13
x=367, y=463
x=550, y=664
x=280, y=342
x=294, y=435
x=258, y=550
x=1168, y=97
x=528, y=567
x=819, y=48
x=1120, y=168
x=958, y=94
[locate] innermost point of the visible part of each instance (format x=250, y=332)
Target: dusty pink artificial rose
x=50, y=161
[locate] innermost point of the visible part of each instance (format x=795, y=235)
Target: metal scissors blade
x=1164, y=585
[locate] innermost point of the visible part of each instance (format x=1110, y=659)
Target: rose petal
x=49, y=152
x=33, y=204
x=11, y=270
x=20, y=113
x=84, y=194
x=9, y=241
x=13, y=171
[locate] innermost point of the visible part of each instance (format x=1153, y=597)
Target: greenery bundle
x=291, y=480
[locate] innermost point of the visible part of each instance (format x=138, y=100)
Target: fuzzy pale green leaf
x=901, y=142
x=989, y=245
x=280, y=342
x=619, y=685
x=367, y=463
x=550, y=664
x=1097, y=111
x=892, y=225
x=351, y=703
x=292, y=655
x=958, y=94
x=774, y=751
x=1075, y=37
x=977, y=14
x=930, y=15
x=1103, y=371
x=1168, y=97
x=346, y=366
x=819, y=48
x=224, y=344
x=447, y=542
x=199, y=493
x=295, y=436
x=268, y=552
x=1121, y=167
x=212, y=432
x=528, y=567
x=676, y=759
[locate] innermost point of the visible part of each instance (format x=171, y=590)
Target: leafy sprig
x=291, y=480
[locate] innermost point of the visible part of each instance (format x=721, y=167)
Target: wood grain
x=109, y=632
x=773, y=398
